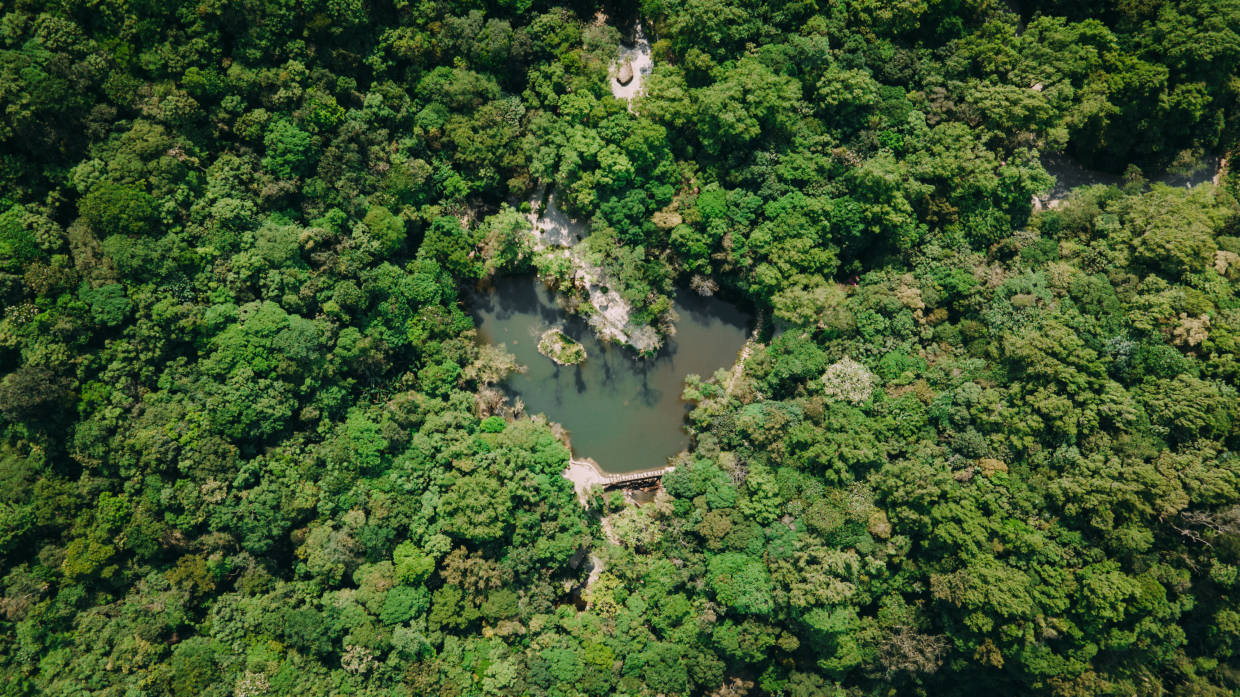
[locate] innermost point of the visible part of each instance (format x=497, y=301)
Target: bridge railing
x=619, y=479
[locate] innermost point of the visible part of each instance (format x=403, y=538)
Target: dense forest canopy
x=250, y=445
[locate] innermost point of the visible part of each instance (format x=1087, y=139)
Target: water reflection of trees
x=623, y=409
x=579, y=379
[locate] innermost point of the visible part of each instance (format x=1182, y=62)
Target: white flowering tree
x=848, y=381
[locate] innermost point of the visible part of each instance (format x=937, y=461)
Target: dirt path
x=739, y=368
x=584, y=474
x=596, y=563
x=596, y=570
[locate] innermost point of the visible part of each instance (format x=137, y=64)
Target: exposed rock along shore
x=558, y=235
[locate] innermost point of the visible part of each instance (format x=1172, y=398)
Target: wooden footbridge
x=629, y=478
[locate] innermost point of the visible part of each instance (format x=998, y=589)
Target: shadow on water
x=621, y=410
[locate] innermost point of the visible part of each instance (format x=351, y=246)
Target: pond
x=622, y=411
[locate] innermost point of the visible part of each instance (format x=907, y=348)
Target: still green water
x=621, y=410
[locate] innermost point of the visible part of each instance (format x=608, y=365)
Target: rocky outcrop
x=555, y=238
x=632, y=67
x=559, y=348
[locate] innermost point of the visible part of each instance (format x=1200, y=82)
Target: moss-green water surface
x=621, y=410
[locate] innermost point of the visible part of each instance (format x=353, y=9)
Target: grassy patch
x=555, y=345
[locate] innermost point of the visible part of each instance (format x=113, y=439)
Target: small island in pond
x=564, y=351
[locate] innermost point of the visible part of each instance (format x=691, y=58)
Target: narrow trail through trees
x=739, y=368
